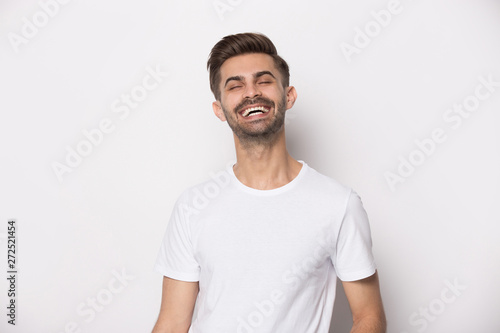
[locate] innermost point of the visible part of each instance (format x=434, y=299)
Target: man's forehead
x=247, y=65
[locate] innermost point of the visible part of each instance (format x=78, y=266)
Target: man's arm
x=177, y=305
x=366, y=305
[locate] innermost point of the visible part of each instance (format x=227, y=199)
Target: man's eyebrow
x=240, y=78
x=261, y=73
x=233, y=78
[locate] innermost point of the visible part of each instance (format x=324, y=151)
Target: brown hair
x=233, y=45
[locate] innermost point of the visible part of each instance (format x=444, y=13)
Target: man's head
x=251, y=85
x=244, y=43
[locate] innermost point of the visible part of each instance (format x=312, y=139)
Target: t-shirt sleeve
x=353, y=259
x=176, y=256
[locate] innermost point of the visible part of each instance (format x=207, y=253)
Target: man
x=259, y=248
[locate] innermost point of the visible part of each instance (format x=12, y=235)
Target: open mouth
x=254, y=111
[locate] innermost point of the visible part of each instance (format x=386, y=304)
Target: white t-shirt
x=266, y=260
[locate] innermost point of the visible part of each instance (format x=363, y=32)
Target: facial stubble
x=262, y=136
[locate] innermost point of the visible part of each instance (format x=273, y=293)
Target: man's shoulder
x=326, y=183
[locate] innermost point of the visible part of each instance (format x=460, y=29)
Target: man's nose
x=252, y=90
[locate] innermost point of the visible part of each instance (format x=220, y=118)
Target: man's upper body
x=259, y=247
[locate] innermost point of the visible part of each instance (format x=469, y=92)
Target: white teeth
x=257, y=108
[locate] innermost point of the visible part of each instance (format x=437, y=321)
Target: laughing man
x=263, y=253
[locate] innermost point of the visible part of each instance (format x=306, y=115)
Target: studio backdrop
x=106, y=117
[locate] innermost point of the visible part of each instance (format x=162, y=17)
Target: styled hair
x=243, y=43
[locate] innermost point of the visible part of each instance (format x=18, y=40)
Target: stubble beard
x=261, y=136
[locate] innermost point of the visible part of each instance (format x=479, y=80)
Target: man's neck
x=265, y=167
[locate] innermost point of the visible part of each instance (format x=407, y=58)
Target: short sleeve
x=176, y=256
x=353, y=259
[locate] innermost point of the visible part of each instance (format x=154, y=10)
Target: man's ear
x=291, y=97
x=218, y=110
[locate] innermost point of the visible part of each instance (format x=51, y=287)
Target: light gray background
x=352, y=121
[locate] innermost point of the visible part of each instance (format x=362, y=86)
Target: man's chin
x=262, y=136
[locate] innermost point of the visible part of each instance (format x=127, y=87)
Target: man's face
x=253, y=100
